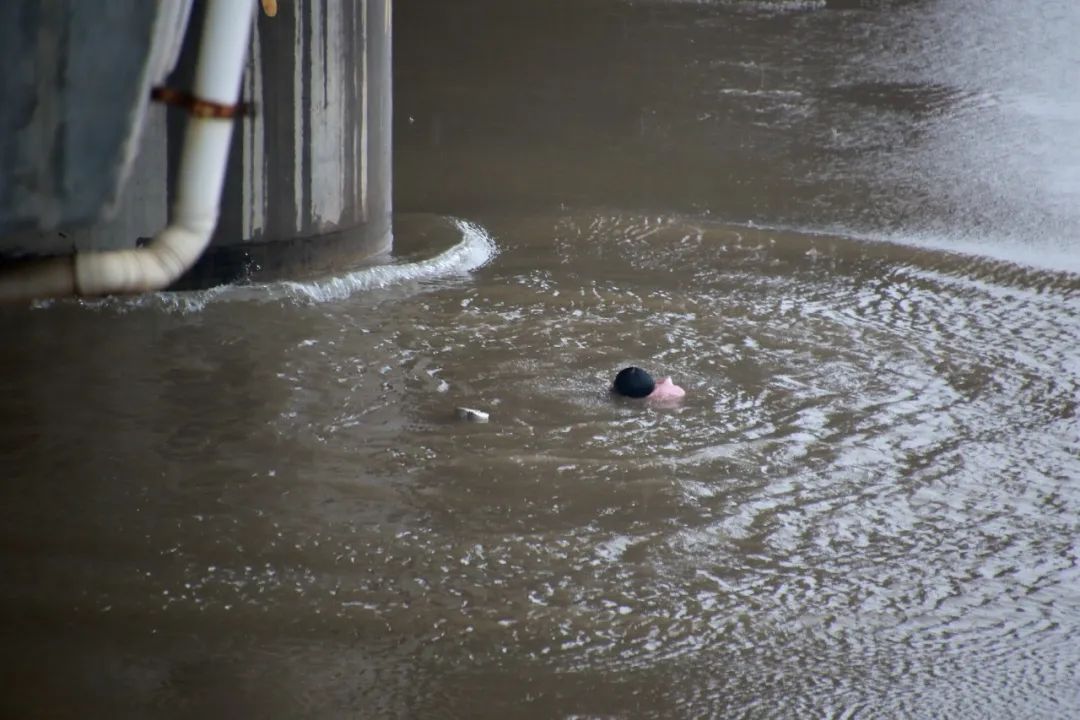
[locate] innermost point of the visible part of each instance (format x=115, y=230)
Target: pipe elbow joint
x=154, y=267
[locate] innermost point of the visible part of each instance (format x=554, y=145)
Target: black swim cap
x=633, y=382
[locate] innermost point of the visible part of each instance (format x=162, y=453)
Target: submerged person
x=636, y=383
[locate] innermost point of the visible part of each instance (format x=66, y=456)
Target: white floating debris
x=472, y=415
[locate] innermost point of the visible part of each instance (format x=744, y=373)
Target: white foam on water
x=475, y=249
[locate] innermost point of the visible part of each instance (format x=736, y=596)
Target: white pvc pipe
x=218, y=72
x=194, y=216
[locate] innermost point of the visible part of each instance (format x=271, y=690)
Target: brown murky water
x=848, y=229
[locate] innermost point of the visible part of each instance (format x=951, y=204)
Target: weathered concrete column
x=88, y=165
x=309, y=184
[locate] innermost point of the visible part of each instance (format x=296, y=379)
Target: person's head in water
x=634, y=382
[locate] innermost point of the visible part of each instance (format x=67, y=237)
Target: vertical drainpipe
x=212, y=106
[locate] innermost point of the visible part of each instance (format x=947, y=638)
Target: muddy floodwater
x=850, y=229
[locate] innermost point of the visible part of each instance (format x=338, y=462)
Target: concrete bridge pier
x=88, y=163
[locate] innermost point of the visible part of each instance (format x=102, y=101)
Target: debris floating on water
x=472, y=415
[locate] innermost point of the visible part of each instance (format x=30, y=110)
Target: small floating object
x=477, y=416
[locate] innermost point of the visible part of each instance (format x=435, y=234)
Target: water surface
x=848, y=231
